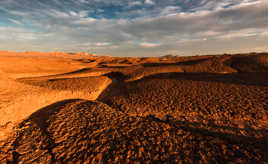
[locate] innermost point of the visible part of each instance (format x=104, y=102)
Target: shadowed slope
x=84, y=131
x=249, y=63
x=148, y=71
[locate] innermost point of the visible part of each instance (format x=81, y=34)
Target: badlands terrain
x=82, y=108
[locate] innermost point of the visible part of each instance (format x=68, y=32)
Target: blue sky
x=135, y=27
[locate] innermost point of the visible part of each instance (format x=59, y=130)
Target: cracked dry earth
x=79, y=131
x=162, y=118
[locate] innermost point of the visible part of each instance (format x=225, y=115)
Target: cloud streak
x=127, y=27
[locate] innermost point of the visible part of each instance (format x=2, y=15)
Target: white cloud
x=21, y=34
x=84, y=21
x=253, y=16
x=80, y=14
x=149, y=45
x=134, y=3
x=72, y=13
x=170, y=10
x=245, y=3
x=57, y=13
x=149, y=2
x=101, y=44
x=15, y=21
x=18, y=13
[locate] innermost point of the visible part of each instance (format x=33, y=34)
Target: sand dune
x=94, y=109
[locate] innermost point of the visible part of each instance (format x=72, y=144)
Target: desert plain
x=82, y=108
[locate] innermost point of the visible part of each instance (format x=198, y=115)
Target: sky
x=135, y=27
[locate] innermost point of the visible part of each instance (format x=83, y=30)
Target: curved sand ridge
x=206, y=109
x=21, y=100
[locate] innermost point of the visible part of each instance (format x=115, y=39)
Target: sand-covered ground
x=80, y=108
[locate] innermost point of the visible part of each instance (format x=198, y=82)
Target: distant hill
x=169, y=56
x=50, y=54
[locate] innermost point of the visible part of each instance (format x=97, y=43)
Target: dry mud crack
x=87, y=131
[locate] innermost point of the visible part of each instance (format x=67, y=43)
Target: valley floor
x=209, y=109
